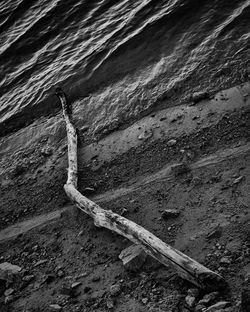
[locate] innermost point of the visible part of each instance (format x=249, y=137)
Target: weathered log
x=185, y=266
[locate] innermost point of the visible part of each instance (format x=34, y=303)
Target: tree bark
x=186, y=267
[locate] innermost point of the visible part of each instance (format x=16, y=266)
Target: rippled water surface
x=115, y=59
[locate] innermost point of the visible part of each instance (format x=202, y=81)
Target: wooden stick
x=185, y=266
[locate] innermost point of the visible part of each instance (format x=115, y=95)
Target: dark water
x=115, y=59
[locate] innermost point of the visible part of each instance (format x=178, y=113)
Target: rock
x=75, y=285
x=170, y=213
x=208, y=298
x=199, y=96
x=190, y=301
x=8, y=292
x=133, y=257
x=144, y=300
x=110, y=304
x=55, y=307
x=171, y=142
x=8, y=271
x=225, y=261
x=145, y=135
x=46, y=151
x=115, y=289
x=218, y=306
x=60, y=273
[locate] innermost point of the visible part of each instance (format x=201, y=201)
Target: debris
x=208, y=298
x=171, y=142
x=238, y=180
x=133, y=257
x=144, y=300
x=40, y=262
x=28, y=278
x=217, y=306
x=170, y=213
x=200, y=308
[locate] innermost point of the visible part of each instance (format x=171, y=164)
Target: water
x=115, y=59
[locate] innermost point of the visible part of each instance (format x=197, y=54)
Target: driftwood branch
x=186, y=267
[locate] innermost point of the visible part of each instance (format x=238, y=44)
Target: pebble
x=171, y=142
x=55, y=307
x=8, y=292
x=225, y=261
x=190, y=301
x=110, y=304
x=115, y=289
x=75, y=285
x=144, y=300
x=145, y=135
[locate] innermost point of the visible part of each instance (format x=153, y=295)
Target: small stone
x=47, y=151
x=60, y=273
x=133, y=257
x=115, y=289
x=190, y=301
x=75, y=285
x=145, y=135
x=219, y=305
x=225, y=261
x=110, y=304
x=144, y=300
x=8, y=271
x=170, y=213
x=171, y=142
x=8, y=292
x=55, y=307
